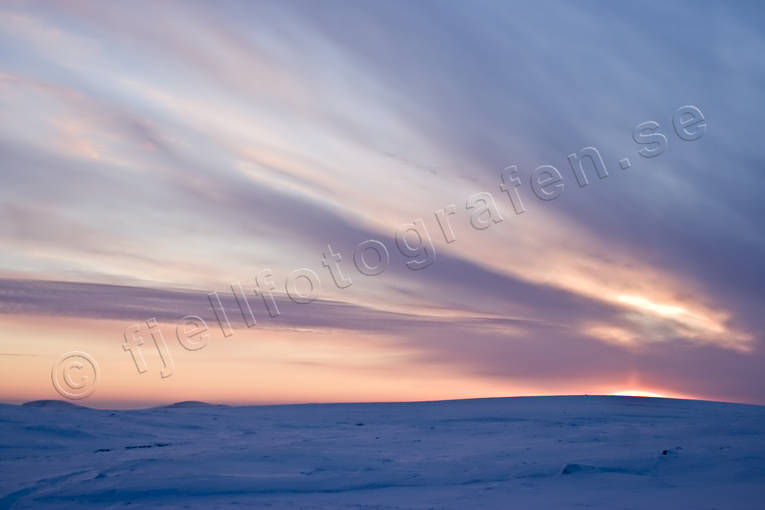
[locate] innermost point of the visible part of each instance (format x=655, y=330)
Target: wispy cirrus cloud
x=195, y=146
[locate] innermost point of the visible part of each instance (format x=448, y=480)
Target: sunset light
x=389, y=254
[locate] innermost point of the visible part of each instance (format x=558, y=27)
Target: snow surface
x=525, y=453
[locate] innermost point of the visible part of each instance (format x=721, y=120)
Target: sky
x=399, y=180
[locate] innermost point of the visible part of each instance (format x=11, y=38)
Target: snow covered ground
x=525, y=453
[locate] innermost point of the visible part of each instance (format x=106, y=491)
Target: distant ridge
x=53, y=404
x=189, y=403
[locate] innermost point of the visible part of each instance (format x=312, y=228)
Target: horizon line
x=200, y=403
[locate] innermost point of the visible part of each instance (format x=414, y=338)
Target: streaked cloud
x=150, y=159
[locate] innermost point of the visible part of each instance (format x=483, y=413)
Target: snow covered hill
x=515, y=453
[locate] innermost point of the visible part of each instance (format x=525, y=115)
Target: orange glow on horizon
x=648, y=393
